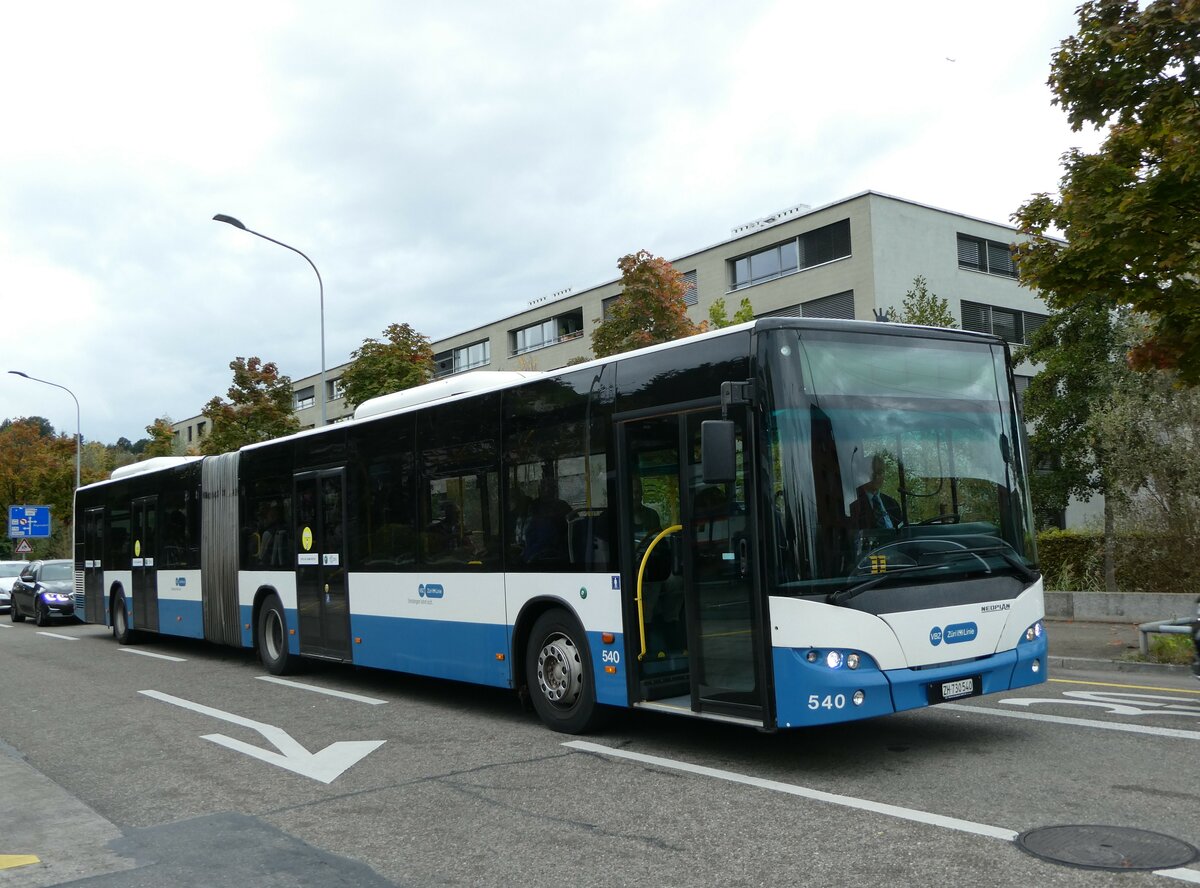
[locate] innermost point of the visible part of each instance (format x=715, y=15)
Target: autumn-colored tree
x=259, y=408
x=922, y=307
x=37, y=467
x=402, y=360
x=651, y=308
x=718, y=319
x=162, y=438
x=1130, y=212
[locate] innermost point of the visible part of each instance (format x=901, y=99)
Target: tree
x=1130, y=212
x=37, y=467
x=718, y=320
x=403, y=360
x=162, y=438
x=922, y=307
x=1081, y=352
x=259, y=408
x=650, y=310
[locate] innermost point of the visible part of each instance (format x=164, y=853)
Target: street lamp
x=78, y=436
x=229, y=220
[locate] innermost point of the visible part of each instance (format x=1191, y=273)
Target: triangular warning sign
x=23, y=547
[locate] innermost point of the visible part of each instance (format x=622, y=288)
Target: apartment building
x=849, y=259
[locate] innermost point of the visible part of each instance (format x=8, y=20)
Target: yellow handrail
x=641, y=570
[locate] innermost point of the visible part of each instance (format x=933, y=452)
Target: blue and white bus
x=786, y=523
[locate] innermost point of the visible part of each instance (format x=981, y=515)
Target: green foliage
x=1080, y=353
x=403, y=360
x=922, y=307
x=1130, y=212
x=718, y=320
x=259, y=408
x=1176, y=649
x=162, y=438
x=651, y=308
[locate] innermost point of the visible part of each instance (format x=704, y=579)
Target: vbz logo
x=935, y=636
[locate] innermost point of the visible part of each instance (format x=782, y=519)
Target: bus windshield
x=896, y=464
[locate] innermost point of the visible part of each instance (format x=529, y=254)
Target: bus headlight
x=834, y=659
x=858, y=698
x=1034, y=632
x=852, y=661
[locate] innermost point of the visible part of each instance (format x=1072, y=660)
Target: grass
x=1177, y=649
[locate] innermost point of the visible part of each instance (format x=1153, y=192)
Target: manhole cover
x=1107, y=847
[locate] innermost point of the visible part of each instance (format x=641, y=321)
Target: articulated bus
x=786, y=523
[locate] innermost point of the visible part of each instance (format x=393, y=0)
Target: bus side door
x=321, y=594
x=145, y=568
x=93, y=566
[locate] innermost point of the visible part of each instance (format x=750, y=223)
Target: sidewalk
x=1078, y=644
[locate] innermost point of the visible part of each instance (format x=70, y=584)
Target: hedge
x=1074, y=561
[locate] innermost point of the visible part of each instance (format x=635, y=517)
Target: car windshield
x=895, y=461
x=11, y=568
x=60, y=571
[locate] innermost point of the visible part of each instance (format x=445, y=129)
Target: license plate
x=952, y=690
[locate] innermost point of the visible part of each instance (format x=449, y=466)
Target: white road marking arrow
x=325, y=766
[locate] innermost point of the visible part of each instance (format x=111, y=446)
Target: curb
x=1117, y=666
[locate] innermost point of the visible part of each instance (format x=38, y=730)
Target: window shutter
x=689, y=281
x=976, y=317
x=970, y=253
x=839, y=305
x=999, y=259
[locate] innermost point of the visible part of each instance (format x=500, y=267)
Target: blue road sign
x=28, y=522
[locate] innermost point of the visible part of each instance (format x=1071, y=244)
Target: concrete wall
x=1118, y=607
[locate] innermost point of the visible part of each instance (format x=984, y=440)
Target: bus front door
x=145, y=569
x=324, y=614
x=93, y=566
x=689, y=574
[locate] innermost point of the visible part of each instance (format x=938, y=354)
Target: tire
x=272, y=638
x=120, y=621
x=41, y=613
x=15, y=613
x=558, y=673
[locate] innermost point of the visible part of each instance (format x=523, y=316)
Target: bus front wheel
x=559, y=674
x=273, y=638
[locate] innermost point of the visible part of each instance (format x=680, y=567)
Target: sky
x=445, y=164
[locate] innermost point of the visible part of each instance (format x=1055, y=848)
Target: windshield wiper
x=846, y=594
x=1005, y=552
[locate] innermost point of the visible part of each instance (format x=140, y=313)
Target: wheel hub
x=559, y=671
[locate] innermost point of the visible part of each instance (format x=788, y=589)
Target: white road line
x=126, y=650
x=1078, y=722
x=1182, y=874
x=926, y=817
x=357, y=698
x=56, y=635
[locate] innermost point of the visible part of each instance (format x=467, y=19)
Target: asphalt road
x=122, y=769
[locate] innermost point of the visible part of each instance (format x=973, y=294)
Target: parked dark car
x=45, y=589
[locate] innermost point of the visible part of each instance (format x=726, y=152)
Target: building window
x=809, y=249
x=690, y=296
x=606, y=306
x=189, y=434
x=334, y=389
x=1010, y=324
x=305, y=398
x=463, y=358
x=200, y=426
x=546, y=333
x=988, y=256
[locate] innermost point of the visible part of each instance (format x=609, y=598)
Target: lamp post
x=78, y=435
x=229, y=220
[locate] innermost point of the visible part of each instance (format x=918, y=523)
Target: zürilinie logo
x=431, y=590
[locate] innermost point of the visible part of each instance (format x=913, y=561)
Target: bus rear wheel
x=273, y=638
x=558, y=673
x=120, y=622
